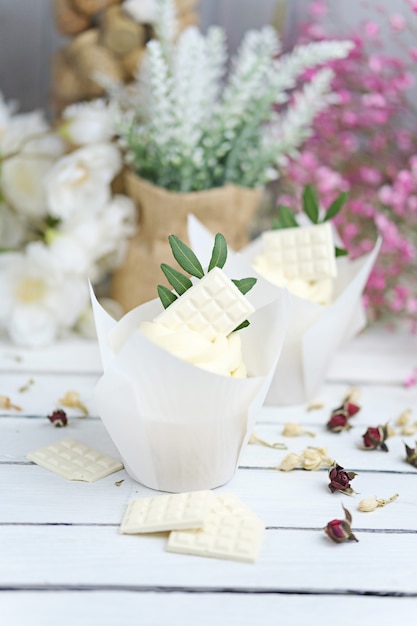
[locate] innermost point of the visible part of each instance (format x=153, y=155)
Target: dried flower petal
x=409, y=429
x=375, y=437
x=291, y=429
x=370, y=504
x=26, y=386
x=72, y=399
x=312, y=460
x=58, y=418
x=339, y=530
x=404, y=418
x=254, y=439
x=6, y=403
x=340, y=479
x=411, y=455
x=290, y=462
x=315, y=406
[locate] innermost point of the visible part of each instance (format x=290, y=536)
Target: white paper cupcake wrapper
x=179, y=427
x=315, y=332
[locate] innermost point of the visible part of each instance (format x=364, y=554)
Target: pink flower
x=397, y=22
x=371, y=29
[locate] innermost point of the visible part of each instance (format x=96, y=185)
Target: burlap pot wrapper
x=227, y=209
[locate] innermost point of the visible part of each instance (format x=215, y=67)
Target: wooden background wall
x=28, y=39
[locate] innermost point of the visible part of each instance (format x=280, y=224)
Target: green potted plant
x=200, y=139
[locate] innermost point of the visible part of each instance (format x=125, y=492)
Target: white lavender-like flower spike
x=197, y=131
x=294, y=126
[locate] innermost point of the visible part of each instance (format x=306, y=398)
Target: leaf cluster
x=311, y=208
x=189, y=262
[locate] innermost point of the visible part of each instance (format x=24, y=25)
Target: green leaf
x=219, y=254
x=179, y=281
x=166, y=296
x=244, y=284
x=340, y=251
x=286, y=218
x=185, y=257
x=310, y=204
x=335, y=206
x=244, y=324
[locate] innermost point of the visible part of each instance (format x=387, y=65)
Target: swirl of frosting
x=222, y=356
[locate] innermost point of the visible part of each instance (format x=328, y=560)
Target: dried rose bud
x=340, y=479
x=370, y=504
x=312, y=459
x=351, y=408
x=411, y=455
x=375, y=438
x=290, y=462
x=295, y=430
x=338, y=421
x=58, y=418
x=339, y=530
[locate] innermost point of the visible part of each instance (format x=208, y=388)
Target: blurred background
x=29, y=38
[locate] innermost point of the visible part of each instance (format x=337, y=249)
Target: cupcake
x=185, y=375
x=325, y=289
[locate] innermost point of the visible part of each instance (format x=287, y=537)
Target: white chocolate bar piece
x=161, y=513
x=232, y=531
x=213, y=306
x=74, y=461
x=304, y=252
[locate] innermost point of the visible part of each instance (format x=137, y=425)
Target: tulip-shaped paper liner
x=315, y=331
x=177, y=426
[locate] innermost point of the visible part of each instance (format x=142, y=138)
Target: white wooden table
x=63, y=561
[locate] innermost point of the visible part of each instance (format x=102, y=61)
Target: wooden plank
x=285, y=500
x=291, y=561
x=19, y=435
x=114, y=608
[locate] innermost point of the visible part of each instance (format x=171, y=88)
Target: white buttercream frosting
x=319, y=291
x=222, y=356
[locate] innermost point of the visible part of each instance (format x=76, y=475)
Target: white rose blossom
x=92, y=244
x=38, y=301
x=22, y=183
x=81, y=180
x=88, y=122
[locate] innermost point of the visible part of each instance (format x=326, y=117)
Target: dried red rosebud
x=338, y=530
x=375, y=438
x=339, y=420
x=411, y=455
x=340, y=479
x=351, y=408
x=58, y=418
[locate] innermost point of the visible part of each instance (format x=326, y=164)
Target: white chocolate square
x=74, y=461
x=232, y=531
x=303, y=252
x=161, y=513
x=213, y=306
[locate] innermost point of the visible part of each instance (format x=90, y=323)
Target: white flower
x=88, y=122
x=81, y=180
x=38, y=301
x=22, y=183
x=11, y=229
x=143, y=11
x=31, y=133
x=93, y=244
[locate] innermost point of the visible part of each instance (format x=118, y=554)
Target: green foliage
x=311, y=208
x=189, y=262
